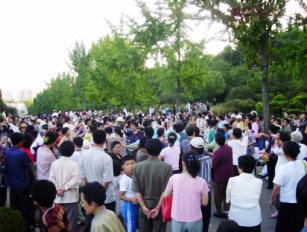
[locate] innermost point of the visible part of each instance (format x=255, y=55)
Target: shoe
x=220, y=215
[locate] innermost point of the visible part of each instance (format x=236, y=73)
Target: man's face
x=89, y=208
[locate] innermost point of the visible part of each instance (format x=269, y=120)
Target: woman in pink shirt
x=186, y=214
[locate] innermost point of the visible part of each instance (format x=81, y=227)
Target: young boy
x=130, y=207
x=43, y=194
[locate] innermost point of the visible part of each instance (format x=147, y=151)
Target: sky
x=36, y=36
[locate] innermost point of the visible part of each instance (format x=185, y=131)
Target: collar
x=152, y=159
x=101, y=211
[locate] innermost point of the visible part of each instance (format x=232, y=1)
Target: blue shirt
x=304, y=229
x=17, y=165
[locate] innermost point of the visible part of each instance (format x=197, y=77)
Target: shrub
x=244, y=106
x=11, y=220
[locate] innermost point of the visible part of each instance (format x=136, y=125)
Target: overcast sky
x=37, y=35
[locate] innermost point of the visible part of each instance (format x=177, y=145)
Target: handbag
x=167, y=208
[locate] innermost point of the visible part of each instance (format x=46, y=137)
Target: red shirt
x=28, y=151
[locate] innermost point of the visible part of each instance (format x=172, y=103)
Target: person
x=43, y=193
x=93, y=196
x=142, y=154
x=64, y=173
x=212, y=130
x=301, y=197
x=27, y=142
x=239, y=147
x=77, y=157
x=45, y=156
x=223, y=170
x=65, y=135
x=297, y=137
x=130, y=207
x=171, y=154
x=285, y=182
x=228, y=226
x=118, y=135
x=149, y=181
x=243, y=192
x=116, y=156
x=16, y=177
x=186, y=214
x=96, y=165
x=197, y=144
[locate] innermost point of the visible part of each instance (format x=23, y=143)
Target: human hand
x=271, y=204
x=154, y=213
x=60, y=192
x=146, y=211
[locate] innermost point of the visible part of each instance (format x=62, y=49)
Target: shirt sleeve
x=107, y=174
x=168, y=174
x=169, y=186
x=204, y=187
x=74, y=178
x=123, y=184
x=229, y=189
x=163, y=153
x=279, y=178
x=135, y=181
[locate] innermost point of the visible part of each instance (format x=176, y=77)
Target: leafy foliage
x=11, y=220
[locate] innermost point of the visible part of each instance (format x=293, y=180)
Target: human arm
x=129, y=199
x=275, y=191
x=141, y=202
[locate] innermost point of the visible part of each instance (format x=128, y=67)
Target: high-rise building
x=25, y=95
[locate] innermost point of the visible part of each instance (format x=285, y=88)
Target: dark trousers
x=151, y=225
x=206, y=211
x=271, y=171
x=220, y=197
x=250, y=229
x=20, y=200
x=289, y=218
x=2, y=196
x=89, y=218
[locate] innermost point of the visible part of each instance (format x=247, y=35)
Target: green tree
x=118, y=74
x=252, y=23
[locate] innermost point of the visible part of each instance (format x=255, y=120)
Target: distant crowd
x=121, y=172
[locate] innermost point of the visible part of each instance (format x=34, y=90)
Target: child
x=130, y=206
x=43, y=193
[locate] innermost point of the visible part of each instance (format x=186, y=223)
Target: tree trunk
x=265, y=83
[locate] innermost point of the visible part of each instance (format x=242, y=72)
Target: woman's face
x=133, y=127
x=89, y=208
x=117, y=149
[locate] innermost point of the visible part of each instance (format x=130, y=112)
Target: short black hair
x=160, y=132
x=108, y=130
x=143, y=140
x=67, y=148
x=178, y=127
x=16, y=138
x=237, y=133
x=192, y=162
x=274, y=129
x=247, y=163
x=114, y=143
x=99, y=137
x=94, y=192
x=43, y=192
x=50, y=137
x=153, y=147
x=291, y=149
x=196, y=131
x=134, y=123
x=64, y=130
x=149, y=131
x=189, y=130
x=213, y=123
x=118, y=130
x=78, y=141
x=228, y=226
x=220, y=138
x=28, y=140
x=301, y=195
x=127, y=158
x=284, y=136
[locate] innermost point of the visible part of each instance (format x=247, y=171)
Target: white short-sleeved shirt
x=126, y=186
x=238, y=148
x=96, y=165
x=287, y=176
x=171, y=156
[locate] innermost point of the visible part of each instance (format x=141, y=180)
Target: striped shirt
x=205, y=168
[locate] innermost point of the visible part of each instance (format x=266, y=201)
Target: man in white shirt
x=239, y=147
x=64, y=173
x=97, y=165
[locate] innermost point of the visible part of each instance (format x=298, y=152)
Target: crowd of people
x=112, y=173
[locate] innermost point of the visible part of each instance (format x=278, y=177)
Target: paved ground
x=267, y=225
